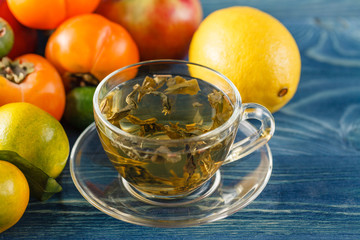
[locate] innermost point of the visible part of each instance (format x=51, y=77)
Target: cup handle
x=257, y=139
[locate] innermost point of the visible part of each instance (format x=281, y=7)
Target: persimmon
x=32, y=79
x=48, y=15
x=86, y=48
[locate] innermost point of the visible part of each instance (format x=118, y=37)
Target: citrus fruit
x=35, y=135
x=14, y=195
x=254, y=50
x=79, y=107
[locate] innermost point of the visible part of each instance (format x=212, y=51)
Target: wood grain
x=314, y=191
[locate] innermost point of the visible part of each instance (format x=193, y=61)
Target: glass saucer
x=232, y=188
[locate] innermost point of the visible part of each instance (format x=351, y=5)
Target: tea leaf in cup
x=138, y=121
x=161, y=80
x=163, y=154
x=153, y=110
x=106, y=103
x=172, y=81
x=148, y=86
x=130, y=98
x=165, y=102
x=147, y=127
x=182, y=86
x=223, y=109
x=117, y=116
x=174, y=131
x=190, y=166
x=197, y=104
x=115, y=113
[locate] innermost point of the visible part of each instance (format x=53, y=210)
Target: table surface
x=314, y=190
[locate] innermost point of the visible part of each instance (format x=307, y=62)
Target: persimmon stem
x=81, y=79
x=15, y=71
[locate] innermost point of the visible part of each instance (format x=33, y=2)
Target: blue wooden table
x=314, y=190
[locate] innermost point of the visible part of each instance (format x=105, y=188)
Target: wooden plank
x=313, y=192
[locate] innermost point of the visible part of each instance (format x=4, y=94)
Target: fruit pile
x=82, y=42
x=52, y=56
x=54, y=53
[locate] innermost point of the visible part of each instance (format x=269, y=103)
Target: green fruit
x=6, y=38
x=79, y=107
x=35, y=135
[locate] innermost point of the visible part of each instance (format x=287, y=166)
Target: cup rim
x=214, y=132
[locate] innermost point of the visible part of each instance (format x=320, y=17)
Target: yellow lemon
x=35, y=135
x=14, y=195
x=254, y=50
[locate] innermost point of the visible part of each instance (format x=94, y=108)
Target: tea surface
x=166, y=107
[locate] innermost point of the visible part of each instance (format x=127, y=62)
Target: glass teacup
x=167, y=126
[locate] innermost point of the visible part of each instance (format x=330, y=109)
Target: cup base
x=198, y=194
x=98, y=182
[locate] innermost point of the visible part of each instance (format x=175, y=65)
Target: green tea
x=166, y=107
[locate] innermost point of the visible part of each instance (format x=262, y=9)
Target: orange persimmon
x=86, y=48
x=40, y=14
x=32, y=79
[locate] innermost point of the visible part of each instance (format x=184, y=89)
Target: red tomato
x=42, y=87
x=25, y=39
